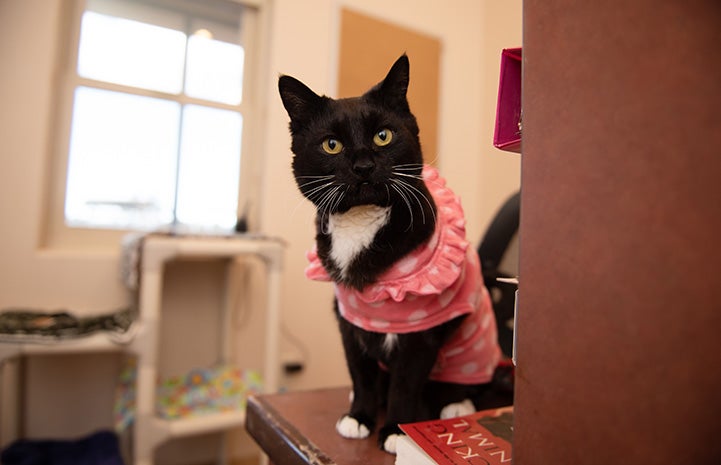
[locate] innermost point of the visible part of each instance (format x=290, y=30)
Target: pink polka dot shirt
x=435, y=283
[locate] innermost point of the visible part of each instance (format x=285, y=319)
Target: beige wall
x=472, y=34
x=302, y=42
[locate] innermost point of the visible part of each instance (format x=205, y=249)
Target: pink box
x=507, y=134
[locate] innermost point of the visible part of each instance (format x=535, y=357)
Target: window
x=157, y=114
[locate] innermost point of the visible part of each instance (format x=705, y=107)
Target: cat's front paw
x=349, y=427
x=458, y=409
x=389, y=445
x=388, y=437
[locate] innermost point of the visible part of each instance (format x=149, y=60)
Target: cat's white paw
x=390, y=444
x=349, y=427
x=458, y=409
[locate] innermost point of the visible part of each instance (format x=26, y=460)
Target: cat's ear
x=298, y=99
x=393, y=89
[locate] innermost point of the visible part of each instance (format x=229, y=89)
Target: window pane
x=215, y=69
x=209, y=167
x=132, y=53
x=122, y=165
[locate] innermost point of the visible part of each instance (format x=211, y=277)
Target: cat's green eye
x=383, y=137
x=332, y=146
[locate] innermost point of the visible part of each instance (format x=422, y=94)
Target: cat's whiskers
x=406, y=187
x=298, y=204
x=409, y=166
x=325, y=197
x=315, y=181
x=417, y=176
x=412, y=196
x=339, y=199
x=417, y=192
x=406, y=175
x=326, y=205
x=406, y=200
x=319, y=177
x=398, y=170
x=316, y=176
x=314, y=193
x=318, y=191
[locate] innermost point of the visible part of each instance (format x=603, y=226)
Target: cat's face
x=356, y=151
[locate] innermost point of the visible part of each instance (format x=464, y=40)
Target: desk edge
x=267, y=426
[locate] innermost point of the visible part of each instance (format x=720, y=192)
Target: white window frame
x=55, y=233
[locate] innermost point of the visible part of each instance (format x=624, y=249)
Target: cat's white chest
x=353, y=231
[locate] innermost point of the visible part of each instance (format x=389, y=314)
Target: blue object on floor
x=100, y=448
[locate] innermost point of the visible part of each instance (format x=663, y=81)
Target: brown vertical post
x=619, y=317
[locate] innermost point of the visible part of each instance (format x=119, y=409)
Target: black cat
x=416, y=322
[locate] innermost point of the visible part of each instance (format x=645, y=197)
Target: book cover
x=482, y=438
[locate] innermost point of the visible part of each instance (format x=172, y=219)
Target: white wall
x=302, y=42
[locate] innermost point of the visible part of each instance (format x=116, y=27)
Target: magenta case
x=507, y=134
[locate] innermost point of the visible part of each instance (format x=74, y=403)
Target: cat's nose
x=363, y=168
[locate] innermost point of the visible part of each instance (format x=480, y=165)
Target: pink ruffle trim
x=434, y=266
x=315, y=270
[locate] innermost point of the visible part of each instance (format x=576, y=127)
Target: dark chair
x=495, y=245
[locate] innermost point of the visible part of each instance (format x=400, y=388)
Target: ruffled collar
x=431, y=267
x=434, y=266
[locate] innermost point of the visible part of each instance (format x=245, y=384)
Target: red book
x=482, y=438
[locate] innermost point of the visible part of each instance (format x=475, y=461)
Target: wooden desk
x=298, y=428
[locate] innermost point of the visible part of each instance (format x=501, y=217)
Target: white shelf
x=151, y=431
x=200, y=424
x=143, y=337
x=98, y=342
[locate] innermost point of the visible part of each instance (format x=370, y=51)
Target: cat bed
x=201, y=391
x=24, y=325
x=100, y=448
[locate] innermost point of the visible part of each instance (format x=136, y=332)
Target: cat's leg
x=360, y=421
x=411, y=364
